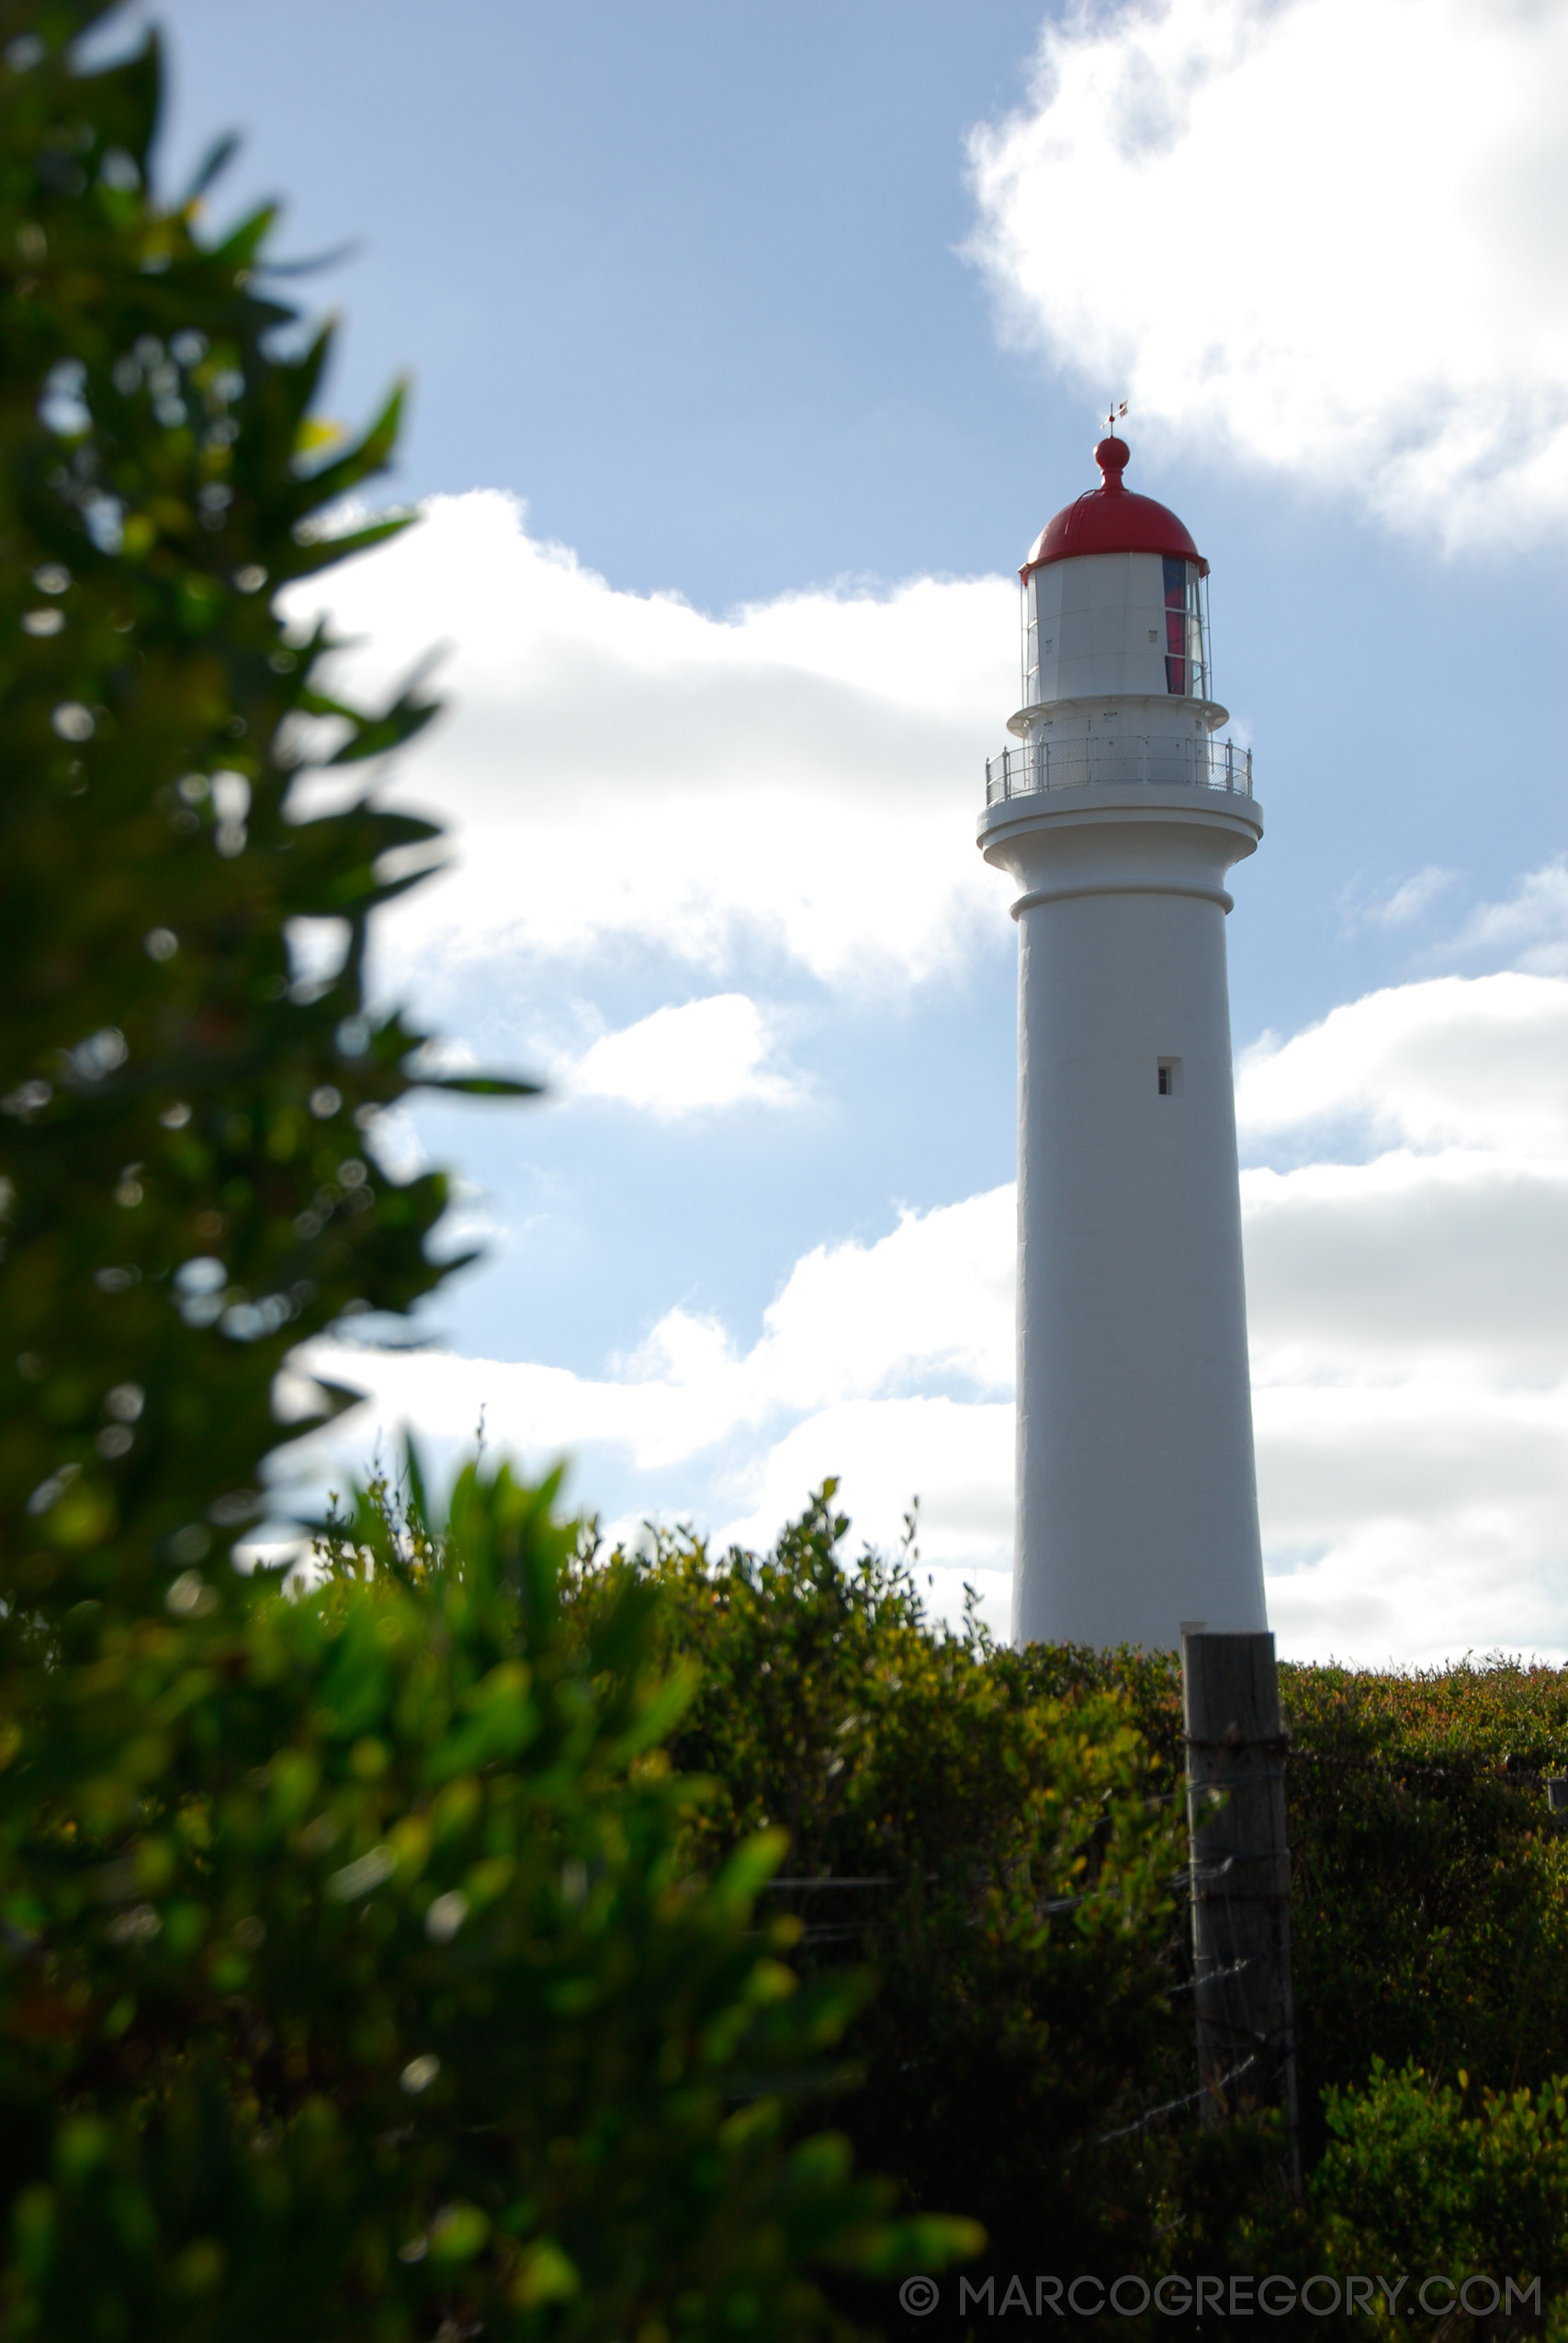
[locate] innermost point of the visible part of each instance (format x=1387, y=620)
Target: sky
x=751, y=349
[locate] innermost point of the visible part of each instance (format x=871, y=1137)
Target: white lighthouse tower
x=1119, y=814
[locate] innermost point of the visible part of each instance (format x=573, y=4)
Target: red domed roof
x=1108, y=520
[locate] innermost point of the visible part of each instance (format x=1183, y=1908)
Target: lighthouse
x=1119, y=812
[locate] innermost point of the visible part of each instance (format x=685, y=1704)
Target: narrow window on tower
x=1186, y=666
x=1197, y=633
x=1167, y=1076
x=1175, y=628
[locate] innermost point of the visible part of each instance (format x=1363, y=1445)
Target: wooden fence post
x=1240, y=1878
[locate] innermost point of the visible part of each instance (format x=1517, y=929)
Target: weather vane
x=1116, y=416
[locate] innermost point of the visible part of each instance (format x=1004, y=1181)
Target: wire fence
x=1153, y=2115
x=1264, y=2053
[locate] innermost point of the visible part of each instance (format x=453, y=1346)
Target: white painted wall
x=1136, y=1497
x=1095, y=617
x=1122, y=736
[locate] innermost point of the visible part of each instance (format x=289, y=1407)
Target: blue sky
x=786, y=331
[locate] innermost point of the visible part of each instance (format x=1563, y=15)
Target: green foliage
x=1423, y=2178
x=994, y=1841
x=359, y=1972
x=978, y=1786
x=354, y=1977
x=1420, y=1799
x=187, y=1127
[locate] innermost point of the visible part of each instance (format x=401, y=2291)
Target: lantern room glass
x=1186, y=648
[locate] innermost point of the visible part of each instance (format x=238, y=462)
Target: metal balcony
x=1163, y=760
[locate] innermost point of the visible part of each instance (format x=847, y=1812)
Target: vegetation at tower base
x=1000, y=1840
x=991, y=1850
x=1430, y=1906
x=354, y=1978
x=1427, y=2177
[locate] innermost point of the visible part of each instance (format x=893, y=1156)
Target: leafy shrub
x=1423, y=2180
x=976, y=1786
x=353, y=1978
x=1430, y=1919
x=362, y=1988
x=185, y=1123
x=1001, y=1855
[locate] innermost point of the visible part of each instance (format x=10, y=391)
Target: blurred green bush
x=353, y=1980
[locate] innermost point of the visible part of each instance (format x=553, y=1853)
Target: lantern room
x=1115, y=599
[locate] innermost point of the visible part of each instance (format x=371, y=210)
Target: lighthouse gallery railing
x=1092, y=760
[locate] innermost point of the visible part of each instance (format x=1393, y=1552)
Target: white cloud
x=1398, y=904
x=1409, y=1369
x=802, y=775
x=1411, y=1268
x=1324, y=233
x=1426, y=1519
x=930, y=1302
x=1456, y=1062
x=689, y=1060
x=839, y=1381
x=1530, y=926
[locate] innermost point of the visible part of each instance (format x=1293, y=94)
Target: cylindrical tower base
x=1136, y=1496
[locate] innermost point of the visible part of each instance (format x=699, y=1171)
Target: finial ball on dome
x=1112, y=456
